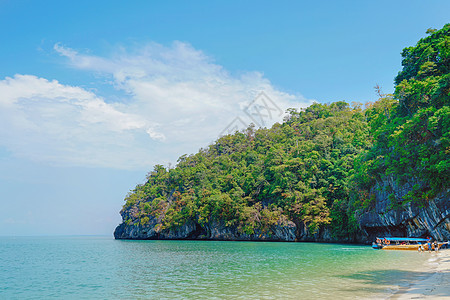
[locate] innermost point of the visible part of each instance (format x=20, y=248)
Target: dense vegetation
x=411, y=130
x=321, y=164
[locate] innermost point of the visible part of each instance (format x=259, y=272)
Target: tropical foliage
x=321, y=164
x=411, y=130
x=298, y=170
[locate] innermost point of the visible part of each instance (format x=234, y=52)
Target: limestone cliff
x=413, y=219
x=284, y=230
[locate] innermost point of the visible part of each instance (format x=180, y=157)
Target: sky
x=93, y=94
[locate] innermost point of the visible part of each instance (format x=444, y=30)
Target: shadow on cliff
x=389, y=277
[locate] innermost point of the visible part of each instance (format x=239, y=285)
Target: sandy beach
x=434, y=286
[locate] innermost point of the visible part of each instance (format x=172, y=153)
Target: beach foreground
x=435, y=286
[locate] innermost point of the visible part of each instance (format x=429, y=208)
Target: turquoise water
x=102, y=268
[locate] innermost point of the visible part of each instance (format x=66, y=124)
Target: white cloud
x=178, y=101
x=47, y=121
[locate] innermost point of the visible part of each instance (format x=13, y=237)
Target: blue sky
x=94, y=93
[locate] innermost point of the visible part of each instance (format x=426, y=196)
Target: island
x=337, y=172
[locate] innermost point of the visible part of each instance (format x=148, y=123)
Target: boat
x=399, y=243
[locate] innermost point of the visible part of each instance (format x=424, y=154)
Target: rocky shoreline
x=412, y=219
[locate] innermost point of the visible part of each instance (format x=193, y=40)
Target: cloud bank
x=178, y=100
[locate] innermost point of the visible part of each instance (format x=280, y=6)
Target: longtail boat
x=398, y=243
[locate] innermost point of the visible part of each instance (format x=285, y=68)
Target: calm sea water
x=102, y=268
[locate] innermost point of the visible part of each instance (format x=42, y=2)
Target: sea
x=99, y=267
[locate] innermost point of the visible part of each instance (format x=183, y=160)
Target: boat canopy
x=399, y=239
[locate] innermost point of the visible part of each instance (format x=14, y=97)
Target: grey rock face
x=430, y=218
x=411, y=220
x=282, y=231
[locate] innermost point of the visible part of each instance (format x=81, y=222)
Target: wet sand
x=434, y=286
